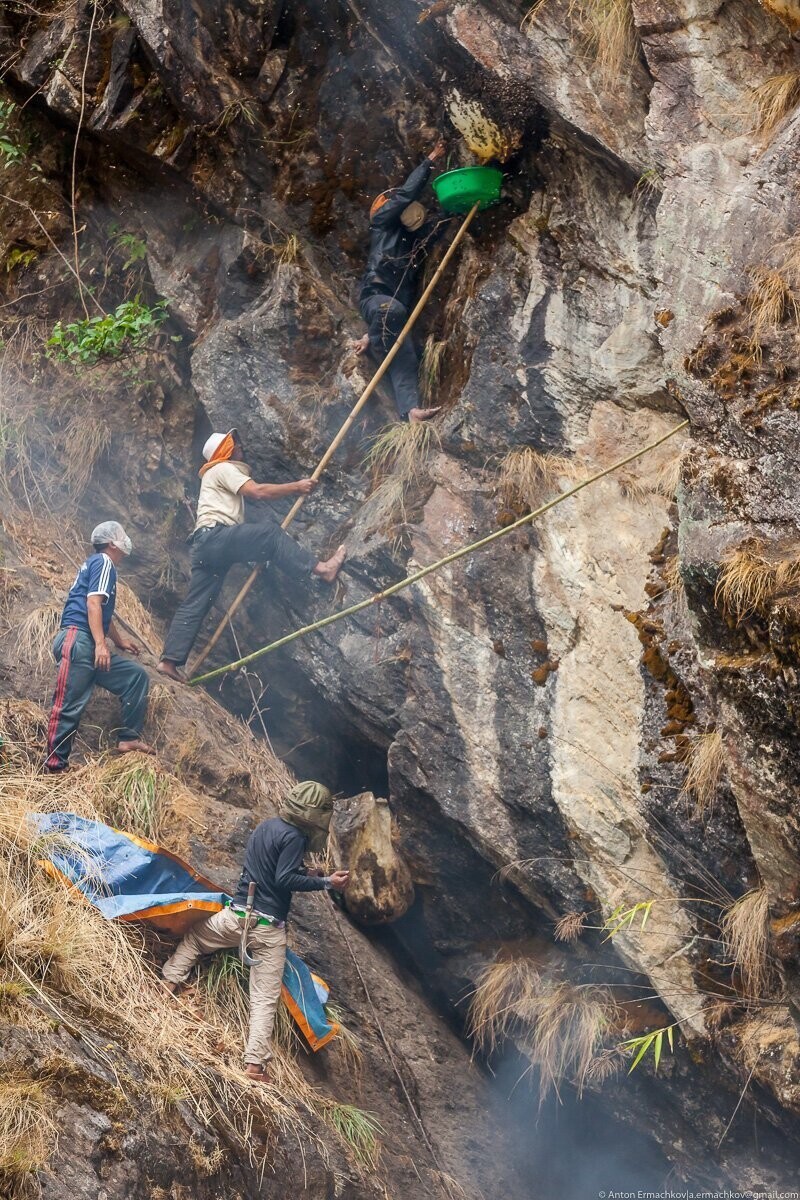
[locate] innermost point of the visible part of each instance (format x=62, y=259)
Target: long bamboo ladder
x=345, y=429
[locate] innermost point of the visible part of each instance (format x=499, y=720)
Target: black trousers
x=385, y=318
x=213, y=554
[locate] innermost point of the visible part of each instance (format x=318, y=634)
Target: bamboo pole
x=435, y=566
x=345, y=429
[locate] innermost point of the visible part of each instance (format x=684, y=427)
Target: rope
x=435, y=566
x=342, y=434
x=339, y=922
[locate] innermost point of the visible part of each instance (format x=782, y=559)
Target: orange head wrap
x=379, y=202
x=222, y=453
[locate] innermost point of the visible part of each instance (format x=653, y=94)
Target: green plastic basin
x=457, y=191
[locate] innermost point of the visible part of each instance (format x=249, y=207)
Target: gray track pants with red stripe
x=73, y=649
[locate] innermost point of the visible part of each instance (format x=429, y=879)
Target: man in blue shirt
x=83, y=656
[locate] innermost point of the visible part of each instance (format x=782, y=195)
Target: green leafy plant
x=129, y=327
x=639, y=1046
x=20, y=258
x=624, y=918
x=134, y=247
x=11, y=151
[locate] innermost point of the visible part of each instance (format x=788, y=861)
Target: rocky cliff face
x=531, y=713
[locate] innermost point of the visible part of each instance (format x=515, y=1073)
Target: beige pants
x=266, y=944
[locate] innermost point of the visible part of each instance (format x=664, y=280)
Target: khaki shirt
x=219, y=502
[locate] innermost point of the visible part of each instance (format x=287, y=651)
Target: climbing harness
x=345, y=429
x=442, y=562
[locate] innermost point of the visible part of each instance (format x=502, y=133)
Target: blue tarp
x=126, y=877
x=130, y=879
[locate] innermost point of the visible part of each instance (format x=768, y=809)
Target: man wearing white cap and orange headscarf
x=222, y=537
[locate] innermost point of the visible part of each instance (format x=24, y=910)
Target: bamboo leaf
x=645, y=1046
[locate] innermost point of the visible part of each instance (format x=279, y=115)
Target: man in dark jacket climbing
x=273, y=861
x=400, y=238
x=84, y=659
x=222, y=537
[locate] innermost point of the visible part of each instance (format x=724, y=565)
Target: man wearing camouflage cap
x=273, y=869
x=84, y=659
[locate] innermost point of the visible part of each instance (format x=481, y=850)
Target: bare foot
x=329, y=569
x=423, y=414
x=362, y=345
x=168, y=986
x=165, y=667
x=256, y=1073
x=130, y=747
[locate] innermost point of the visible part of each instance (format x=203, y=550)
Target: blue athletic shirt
x=97, y=577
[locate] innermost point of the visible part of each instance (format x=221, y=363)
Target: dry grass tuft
x=673, y=579
x=134, y=613
x=706, y=761
x=634, y=486
x=23, y=726
x=749, y=579
x=86, y=439
x=746, y=935
x=605, y=1065
x=529, y=477
x=770, y=302
x=672, y=574
x=386, y=506
x=10, y=587
x=431, y=368
x=570, y=927
x=402, y=449
x=28, y=1133
x=347, y=1045
x=35, y=635
x=205, y=1163
x=398, y=459
x=491, y=1010
x=608, y=31
x=667, y=477
x=610, y=34
x=559, y=1027
x=772, y=101
x=567, y=1028
x=160, y=703
x=288, y=251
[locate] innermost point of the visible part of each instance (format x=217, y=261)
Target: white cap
x=214, y=442
x=111, y=533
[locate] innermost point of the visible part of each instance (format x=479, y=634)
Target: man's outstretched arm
x=276, y=491
x=411, y=190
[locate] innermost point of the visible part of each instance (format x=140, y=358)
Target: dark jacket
x=274, y=859
x=396, y=254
